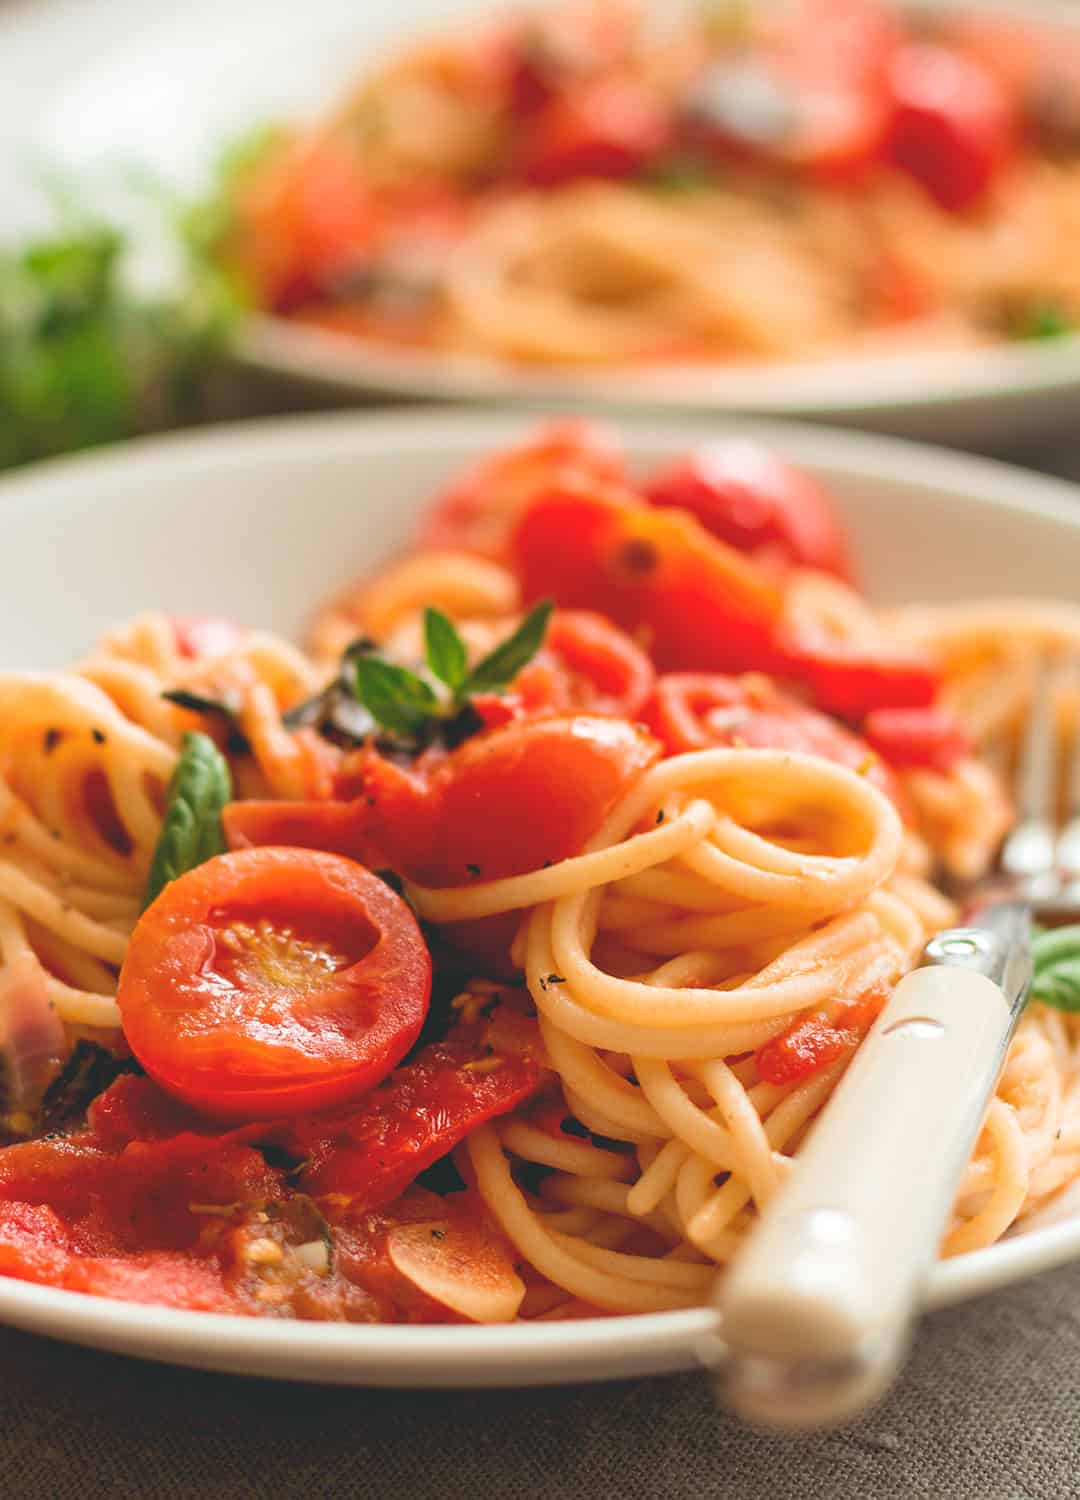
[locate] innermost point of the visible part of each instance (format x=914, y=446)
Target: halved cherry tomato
x=906, y=737
x=747, y=496
x=814, y=1041
x=505, y=802
x=478, y=511
x=808, y=97
x=303, y=215
x=587, y=663
x=266, y=982
x=199, y=636
x=425, y=1109
x=610, y=128
x=852, y=680
x=1036, y=62
x=695, y=710
x=691, y=601
x=953, y=127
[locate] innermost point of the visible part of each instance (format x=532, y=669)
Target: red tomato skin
x=952, y=128
x=303, y=215
x=238, y=1048
x=478, y=511
x=422, y=1113
x=587, y=663
x=610, y=128
x=530, y=794
x=693, y=711
x=813, y=1042
x=692, y=602
x=747, y=496
x=851, y=681
x=933, y=737
x=469, y=815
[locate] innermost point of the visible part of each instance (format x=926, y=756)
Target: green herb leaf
x=444, y=649
x=191, y=832
x=394, y=696
x=680, y=174
x=502, y=665
x=1056, y=956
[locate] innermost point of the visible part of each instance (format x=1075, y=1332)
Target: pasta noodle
x=701, y=967
x=596, y=185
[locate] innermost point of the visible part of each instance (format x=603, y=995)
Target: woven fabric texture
x=988, y=1409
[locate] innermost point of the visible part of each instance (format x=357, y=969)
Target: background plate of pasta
x=446, y=865
x=842, y=208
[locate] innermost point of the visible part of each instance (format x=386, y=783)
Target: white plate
x=259, y=521
x=165, y=85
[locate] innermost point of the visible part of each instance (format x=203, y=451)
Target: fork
x=816, y=1312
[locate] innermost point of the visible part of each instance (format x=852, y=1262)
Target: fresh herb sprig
x=410, y=706
x=1056, y=957
x=191, y=831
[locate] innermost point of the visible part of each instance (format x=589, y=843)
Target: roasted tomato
x=303, y=215
x=199, y=636
x=953, y=127
x=691, y=601
x=478, y=512
x=693, y=711
x=273, y=981
x=747, y=496
x=587, y=663
x=814, y=1041
x=808, y=97
x=425, y=1109
x=852, y=680
x=511, y=800
x=918, y=737
x=612, y=127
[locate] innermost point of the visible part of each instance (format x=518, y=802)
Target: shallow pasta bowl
x=260, y=522
x=148, y=90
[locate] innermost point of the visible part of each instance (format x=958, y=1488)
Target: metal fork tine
x=1029, y=854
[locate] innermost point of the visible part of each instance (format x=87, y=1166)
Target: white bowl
x=165, y=86
x=259, y=522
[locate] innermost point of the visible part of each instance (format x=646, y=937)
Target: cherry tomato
x=906, y=737
x=692, y=602
x=852, y=680
x=952, y=129
x=1037, y=63
x=303, y=215
x=505, y=802
x=808, y=97
x=611, y=128
x=814, y=1041
x=270, y=981
x=693, y=711
x=478, y=512
x=587, y=663
x=747, y=496
x=428, y=1106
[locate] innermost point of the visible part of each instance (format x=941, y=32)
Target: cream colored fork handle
x=815, y=1312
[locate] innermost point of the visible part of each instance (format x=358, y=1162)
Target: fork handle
x=817, y=1309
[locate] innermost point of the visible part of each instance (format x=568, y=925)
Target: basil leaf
x=1056, y=956
x=191, y=832
x=501, y=666
x=444, y=649
x=396, y=697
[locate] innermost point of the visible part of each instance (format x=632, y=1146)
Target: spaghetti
x=664, y=909
x=595, y=185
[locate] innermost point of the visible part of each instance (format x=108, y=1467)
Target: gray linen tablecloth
x=988, y=1409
